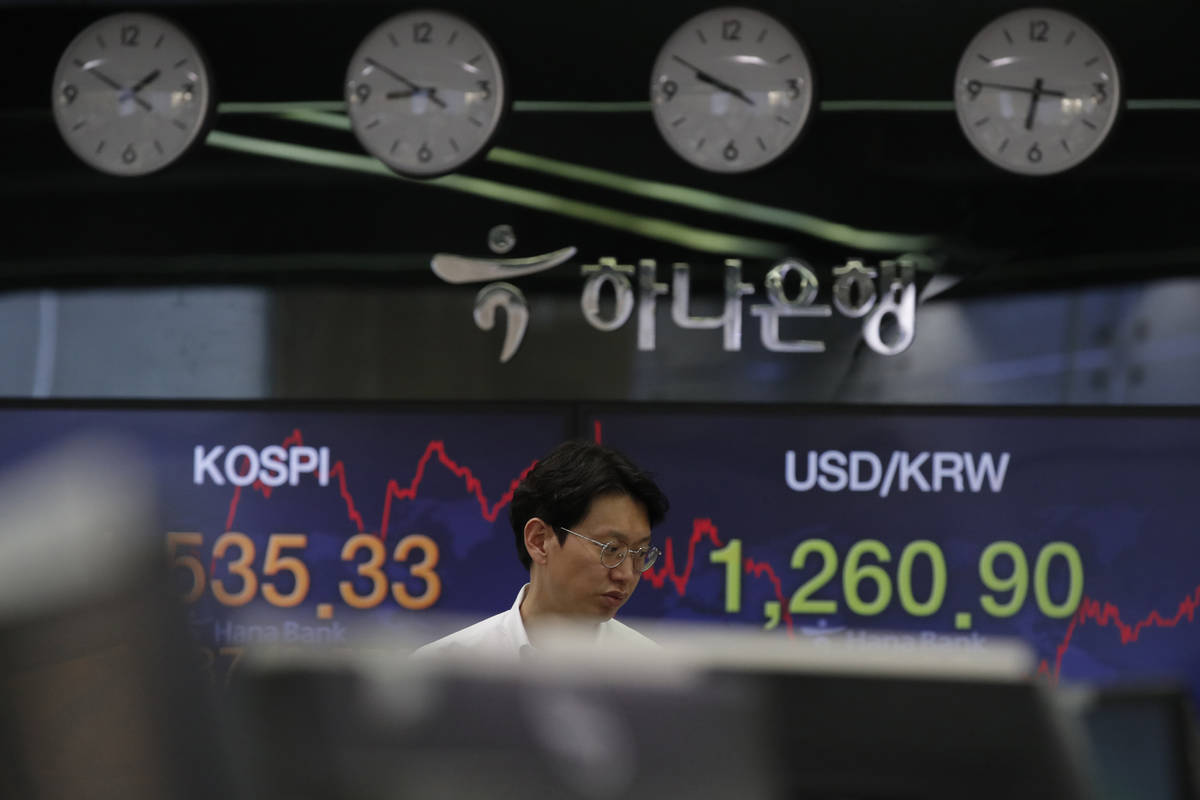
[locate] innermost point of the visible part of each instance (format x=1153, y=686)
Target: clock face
x=1037, y=91
x=131, y=94
x=731, y=90
x=425, y=93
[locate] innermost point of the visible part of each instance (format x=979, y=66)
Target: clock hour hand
x=1033, y=103
x=144, y=82
x=110, y=82
x=704, y=77
x=430, y=92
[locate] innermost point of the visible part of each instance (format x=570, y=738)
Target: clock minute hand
x=110, y=82
x=712, y=80
x=430, y=92
x=394, y=74
x=1026, y=89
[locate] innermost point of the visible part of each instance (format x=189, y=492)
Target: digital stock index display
x=1074, y=532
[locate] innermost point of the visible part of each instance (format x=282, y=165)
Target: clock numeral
x=129, y=35
x=424, y=155
x=486, y=88
x=423, y=33
x=730, y=152
x=974, y=88
x=793, y=87
x=731, y=30
x=362, y=92
x=69, y=93
x=129, y=155
x=1101, y=92
x=669, y=89
x=1034, y=154
x=1038, y=30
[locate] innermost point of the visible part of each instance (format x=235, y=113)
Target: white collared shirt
x=504, y=634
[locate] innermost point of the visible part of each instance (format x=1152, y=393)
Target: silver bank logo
x=883, y=296
x=242, y=465
x=864, y=471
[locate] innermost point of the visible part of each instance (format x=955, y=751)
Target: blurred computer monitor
x=372, y=725
x=713, y=714
x=101, y=695
x=1142, y=741
x=899, y=719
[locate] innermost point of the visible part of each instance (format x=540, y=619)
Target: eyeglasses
x=612, y=554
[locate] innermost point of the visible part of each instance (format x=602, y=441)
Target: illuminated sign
x=870, y=293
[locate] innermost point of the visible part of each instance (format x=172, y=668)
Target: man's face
x=578, y=584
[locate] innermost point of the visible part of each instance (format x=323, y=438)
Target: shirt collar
x=514, y=625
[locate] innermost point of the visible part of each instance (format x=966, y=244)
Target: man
x=581, y=520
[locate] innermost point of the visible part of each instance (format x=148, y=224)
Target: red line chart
x=395, y=491
x=705, y=529
x=1106, y=614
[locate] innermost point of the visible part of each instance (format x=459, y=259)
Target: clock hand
x=144, y=82
x=394, y=74
x=1028, y=90
x=414, y=89
x=1033, y=102
x=109, y=81
x=431, y=93
x=703, y=76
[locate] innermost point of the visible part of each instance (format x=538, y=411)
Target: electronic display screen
x=1074, y=532
x=1071, y=531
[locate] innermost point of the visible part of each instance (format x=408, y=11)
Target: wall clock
x=731, y=90
x=132, y=93
x=1037, y=91
x=425, y=93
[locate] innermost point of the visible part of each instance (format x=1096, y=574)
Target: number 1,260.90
x=1003, y=570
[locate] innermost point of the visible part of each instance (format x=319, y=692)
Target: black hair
x=561, y=487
